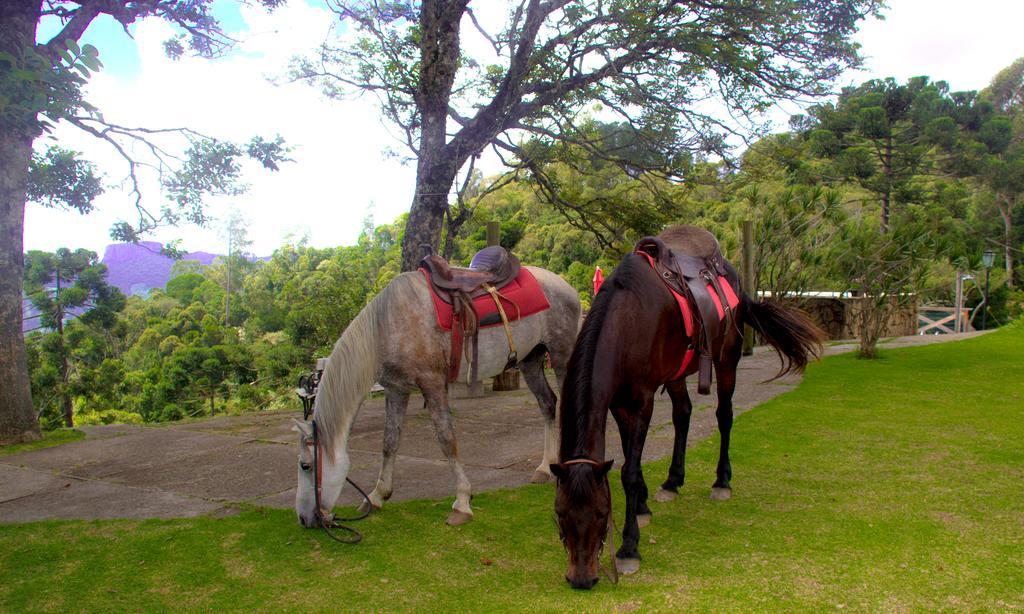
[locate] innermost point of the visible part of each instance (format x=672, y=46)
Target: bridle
x=307, y=390
x=610, y=529
x=324, y=517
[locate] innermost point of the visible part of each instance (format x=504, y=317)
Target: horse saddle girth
x=699, y=276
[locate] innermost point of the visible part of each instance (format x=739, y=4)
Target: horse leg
x=725, y=373
x=633, y=431
x=681, y=410
x=395, y=404
x=532, y=368
x=441, y=415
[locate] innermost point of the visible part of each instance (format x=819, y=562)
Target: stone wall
x=838, y=317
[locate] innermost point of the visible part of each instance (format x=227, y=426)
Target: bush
x=171, y=412
x=108, y=416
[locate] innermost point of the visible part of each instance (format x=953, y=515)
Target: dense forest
x=888, y=190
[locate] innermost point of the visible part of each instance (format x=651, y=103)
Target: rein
x=308, y=385
x=613, y=575
x=327, y=520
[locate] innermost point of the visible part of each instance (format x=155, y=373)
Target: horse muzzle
x=581, y=581
x=314, y=521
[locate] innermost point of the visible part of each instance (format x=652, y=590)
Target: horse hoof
x=627, y=566
x=539, y=477
x=368, y=508
x=642, y=520
x=456, y=518
x=664, y=496
x=720, y=494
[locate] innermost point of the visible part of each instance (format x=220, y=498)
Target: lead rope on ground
x=335, y=523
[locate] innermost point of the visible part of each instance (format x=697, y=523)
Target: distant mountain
x=137, y=268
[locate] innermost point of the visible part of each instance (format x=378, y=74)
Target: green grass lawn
x=893, y=484
x=50, y=438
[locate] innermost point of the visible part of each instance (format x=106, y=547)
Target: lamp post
x=987, y=259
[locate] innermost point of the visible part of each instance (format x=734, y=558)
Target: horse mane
x=354, y=363
x=577, y=393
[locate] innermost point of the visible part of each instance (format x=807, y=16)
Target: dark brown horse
x=631, y=344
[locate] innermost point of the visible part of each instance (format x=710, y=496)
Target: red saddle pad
x=520, y=298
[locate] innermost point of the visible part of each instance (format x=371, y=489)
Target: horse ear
x=604, y=468
x=303, y=427
x=558, y=470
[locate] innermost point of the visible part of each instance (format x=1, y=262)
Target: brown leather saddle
x=492, y=265
x=491, y=269
x=690, y=262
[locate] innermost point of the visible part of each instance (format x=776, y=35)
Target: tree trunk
x=65, y=368
x=438, y=163
x=887, y=195
x=427, y=214
x=873, y=314
x=18, y=421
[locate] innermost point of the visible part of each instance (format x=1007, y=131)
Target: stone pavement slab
x=21, y=482
x=226, y=473
x=97, y=458
x=48, y=496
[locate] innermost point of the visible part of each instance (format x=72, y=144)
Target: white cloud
x=962, y=43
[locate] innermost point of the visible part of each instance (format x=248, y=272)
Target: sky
x=344, y=171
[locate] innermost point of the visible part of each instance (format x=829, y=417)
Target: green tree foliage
x=793, y=231
x=995, y=154
x=614, y=199
x=59, y=179
x=41, y=83
x=884, y=269
x=65, y=286
x=879, y=135
x=653, y=64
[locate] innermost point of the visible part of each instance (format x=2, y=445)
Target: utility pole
x=987, y=260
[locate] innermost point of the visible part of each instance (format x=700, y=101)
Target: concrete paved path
x=209, y=466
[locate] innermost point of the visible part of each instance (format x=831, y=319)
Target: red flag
x=598, y=279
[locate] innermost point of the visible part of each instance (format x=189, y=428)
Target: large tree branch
x=80, y=19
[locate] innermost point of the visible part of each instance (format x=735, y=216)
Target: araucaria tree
x=658, y=66
x=41, y=85
x=61, y=286
x=880, y=136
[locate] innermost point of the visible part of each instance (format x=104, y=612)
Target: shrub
x=108, y=416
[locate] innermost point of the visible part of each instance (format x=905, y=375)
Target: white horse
x=396, y=341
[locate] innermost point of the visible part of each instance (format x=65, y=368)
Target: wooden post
x=748, y=281
x=508, y=380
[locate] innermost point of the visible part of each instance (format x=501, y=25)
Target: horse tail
x=796, y=339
